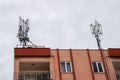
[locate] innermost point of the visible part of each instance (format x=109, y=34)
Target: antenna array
x=96, y=30
x=23, y=32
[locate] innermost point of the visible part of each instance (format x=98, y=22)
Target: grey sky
x=56, y=24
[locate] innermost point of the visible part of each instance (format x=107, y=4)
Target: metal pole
x=98, y=43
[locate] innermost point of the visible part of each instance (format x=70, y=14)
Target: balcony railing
x=118, y=75
x=31, y=75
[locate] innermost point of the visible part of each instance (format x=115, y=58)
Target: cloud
x=56, y=24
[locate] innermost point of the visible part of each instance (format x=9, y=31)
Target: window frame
x=66, y=69
x=98, y=69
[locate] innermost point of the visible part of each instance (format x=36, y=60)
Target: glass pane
x=63, y=67
x=68, y=67
x=100, y=67
x=94, y=67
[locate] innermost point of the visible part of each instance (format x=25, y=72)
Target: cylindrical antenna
x=20, y=21
x=27, y=24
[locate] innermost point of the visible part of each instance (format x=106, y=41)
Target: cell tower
x=23, y=32
x=96, y=30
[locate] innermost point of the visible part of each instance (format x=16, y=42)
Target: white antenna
x=27, y=24
x=20, y=21
x=96, y=30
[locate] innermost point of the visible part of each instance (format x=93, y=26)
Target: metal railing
x=118, y=76
x=34, y=75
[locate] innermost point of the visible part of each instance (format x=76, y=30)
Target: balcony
x=31, y=75
x=117, y=70
x=118, y=75
x=34, y=71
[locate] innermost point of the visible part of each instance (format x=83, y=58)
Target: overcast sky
x=57, y=24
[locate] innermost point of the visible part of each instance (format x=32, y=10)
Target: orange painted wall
x=81, y=64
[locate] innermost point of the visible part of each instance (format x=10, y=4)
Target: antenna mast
x=23, y=32
x=96, y=30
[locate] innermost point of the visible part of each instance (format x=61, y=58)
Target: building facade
x=66, y=64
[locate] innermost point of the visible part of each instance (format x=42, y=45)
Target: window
x=66, y=67
x=63, y=69
x=97, y=67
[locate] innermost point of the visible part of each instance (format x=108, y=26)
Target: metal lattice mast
x=23, y=32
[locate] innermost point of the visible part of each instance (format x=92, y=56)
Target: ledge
x=114, y=52
x=32, y=52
